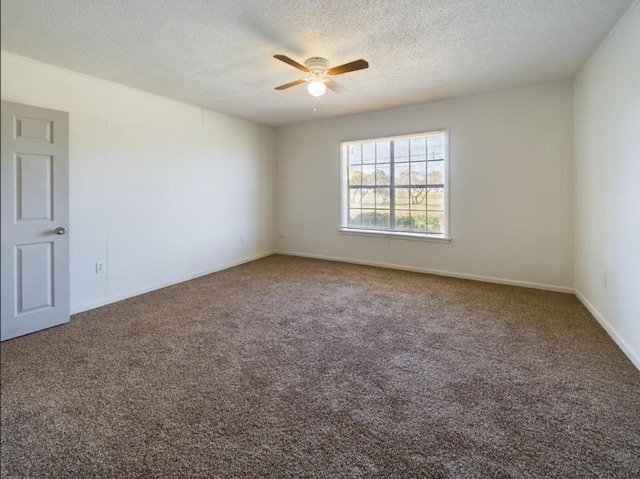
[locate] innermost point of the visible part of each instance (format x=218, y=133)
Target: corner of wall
x=607, y=260
x=626, y=348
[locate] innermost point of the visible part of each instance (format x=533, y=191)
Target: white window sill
x=394, y=235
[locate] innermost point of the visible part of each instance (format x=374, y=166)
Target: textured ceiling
x=218, y=54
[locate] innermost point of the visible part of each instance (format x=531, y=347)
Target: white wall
x=607, y=187
x=511, y=188
x=160, y=190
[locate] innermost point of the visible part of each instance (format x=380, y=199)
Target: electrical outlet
x=99, y=267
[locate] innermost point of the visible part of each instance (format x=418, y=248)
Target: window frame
x=444, y=237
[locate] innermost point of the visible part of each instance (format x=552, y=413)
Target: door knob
x=60, y=230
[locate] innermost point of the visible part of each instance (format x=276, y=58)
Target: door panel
x=34, y=277
x=33, y=128
x=33, y=187
x=35, y=205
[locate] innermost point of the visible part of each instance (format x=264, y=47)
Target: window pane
x=382, y=197
x=435, y=199
x=368, y=198
x=402, y=198
x=355, y=175
x=418, y=198
x=355, y=197
x=383, y=220
x=401, y=150
x=403, y=220
x=369, y=153
x=368, y=174
x=418, y=173
x=383, y=151
x=368, y=219
x=355, y=219
x=419, y=222
x=435, y=223
x=435, y=147
x=402, y=174
x=435, y=172
x=355, y=154
x=418, y=148
x=383, y=174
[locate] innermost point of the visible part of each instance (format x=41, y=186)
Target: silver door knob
x=60, y=230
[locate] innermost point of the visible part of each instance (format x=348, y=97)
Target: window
x=396, y=185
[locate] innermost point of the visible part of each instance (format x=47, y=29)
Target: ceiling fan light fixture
x=316, y=88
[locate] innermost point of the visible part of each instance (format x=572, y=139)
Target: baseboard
x=473, y=277
x=633, y=356
x=113, y=299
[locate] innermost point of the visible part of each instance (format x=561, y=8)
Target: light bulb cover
x=316, y=88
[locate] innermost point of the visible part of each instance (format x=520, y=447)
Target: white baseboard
x=473, y=277
x=633, y=356
x=113, y=299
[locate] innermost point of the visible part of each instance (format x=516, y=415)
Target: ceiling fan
x=319, y=72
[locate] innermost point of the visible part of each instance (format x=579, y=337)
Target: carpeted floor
x=297, y=368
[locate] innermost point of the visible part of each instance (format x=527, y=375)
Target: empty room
x=320, y=239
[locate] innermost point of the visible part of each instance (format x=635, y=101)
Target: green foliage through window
x=430, y=224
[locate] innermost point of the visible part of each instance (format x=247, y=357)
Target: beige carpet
x=289, y=367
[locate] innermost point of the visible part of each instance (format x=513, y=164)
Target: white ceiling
x=218, y=54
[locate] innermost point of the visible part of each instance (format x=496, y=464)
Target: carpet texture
x=290, y=367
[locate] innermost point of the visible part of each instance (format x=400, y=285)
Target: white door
x=34, y=219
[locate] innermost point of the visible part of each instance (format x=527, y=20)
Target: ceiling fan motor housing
x=317, y=64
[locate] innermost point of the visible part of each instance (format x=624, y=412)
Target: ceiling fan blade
x=291, y=62
x=289, y=85
x=348, y=67
x=331, y=85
